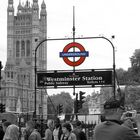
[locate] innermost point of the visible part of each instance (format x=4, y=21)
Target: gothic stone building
x=24, y=30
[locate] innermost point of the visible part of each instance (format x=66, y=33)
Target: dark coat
x=1, y=133
x=80, y=135
x=109, y=130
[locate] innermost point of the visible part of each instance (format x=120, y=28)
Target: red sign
x=80, y=60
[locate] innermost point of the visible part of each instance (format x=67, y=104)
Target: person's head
x=78, y=124
x=102, y=118
x=3, y=120
x=37, y=126
x=12, y=132
x=30, y=125
x=66, y=127
x=50, y=124
x=57, y=123
x=113, y=109
x=5, y=125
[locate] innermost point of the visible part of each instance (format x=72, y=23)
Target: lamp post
x=82, y=38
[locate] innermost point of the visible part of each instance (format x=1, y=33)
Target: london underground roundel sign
x=82, y=54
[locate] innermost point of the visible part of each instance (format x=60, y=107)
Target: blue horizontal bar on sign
x=74, y=54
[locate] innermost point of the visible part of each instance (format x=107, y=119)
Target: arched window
x=12, y=75
x=17, y=49
x=28, y=48
x=22, y=48
x=8, y=74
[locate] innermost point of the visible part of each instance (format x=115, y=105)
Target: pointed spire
x=10, y=4
x=27, y=3
x=19, y=6
x=43, y=9
x=43, y=5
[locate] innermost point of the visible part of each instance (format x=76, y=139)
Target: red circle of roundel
x=69, y=46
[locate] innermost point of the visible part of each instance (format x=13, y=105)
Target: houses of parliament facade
x=25, y=29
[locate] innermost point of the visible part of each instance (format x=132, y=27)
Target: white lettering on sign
x=92, y=78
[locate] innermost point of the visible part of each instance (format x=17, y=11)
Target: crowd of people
x=114, y=126
x=55, y=130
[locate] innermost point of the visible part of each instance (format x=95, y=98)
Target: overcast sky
x=92, y=18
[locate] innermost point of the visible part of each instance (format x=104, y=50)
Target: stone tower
x=25, y=29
